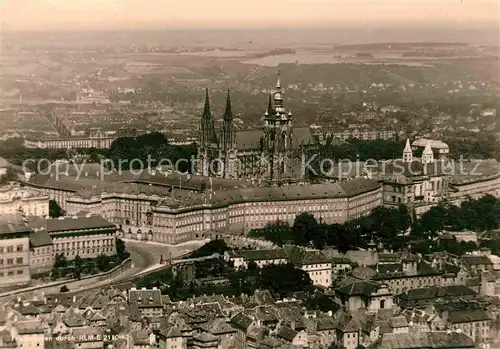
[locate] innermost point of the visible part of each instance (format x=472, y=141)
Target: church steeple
x=228, y=114
x=227, y=131
x=407, y=152
x=207, y=115
x=207, y=131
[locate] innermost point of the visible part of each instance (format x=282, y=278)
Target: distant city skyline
x=192, y=14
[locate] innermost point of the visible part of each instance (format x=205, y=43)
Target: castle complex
x=274, y=153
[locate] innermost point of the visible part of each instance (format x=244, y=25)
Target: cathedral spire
x=270, y=108
x=227, y=128
x=207, y=131
x=278, y=82
x=228, y=113
x=206, y=111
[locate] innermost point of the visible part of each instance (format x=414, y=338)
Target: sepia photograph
x=255, y=174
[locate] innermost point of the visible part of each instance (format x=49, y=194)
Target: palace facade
x=95, y=139
x=14, y=250
x=175, y=208
x=17, y=199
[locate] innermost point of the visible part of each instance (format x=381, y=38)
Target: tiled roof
x=40, y=238
x=437, y=292
x=217, y=327
x=398, y=321
x=467, y=315
x=12, y=223
x=325, y=324
x=476, y=260
x=72, y=318
x=146, y=298
x=360, y=288
x=29, y=327
x=363, y=273
x=205, y=337
x=287, y=334
x=419, y=340
x=171, y=331
x=69, y=223
x=258, y=255
x=140, y=337
x=241, y=321
x=389, y=268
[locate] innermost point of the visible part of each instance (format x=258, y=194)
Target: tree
x=64, y=288
x=9, y=176
x=55, y=274
x=103, y=262
x=78, y=267
x=121, y=250
x=290, y=279
x=55, y=210
x=305, y=229
x=60, y=261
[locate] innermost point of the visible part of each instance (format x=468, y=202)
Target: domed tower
x=277, y=145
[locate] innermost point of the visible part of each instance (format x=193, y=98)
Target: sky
x=135, y=14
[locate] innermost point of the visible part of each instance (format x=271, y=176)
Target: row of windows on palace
x=11, y=273
x=10, y=261
x=11, y=249
x=275, y=206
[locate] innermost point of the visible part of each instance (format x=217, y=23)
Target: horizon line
x=148, y=26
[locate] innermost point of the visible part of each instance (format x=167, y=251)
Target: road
x=144, y=256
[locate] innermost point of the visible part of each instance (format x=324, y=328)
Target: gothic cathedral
x=273, y=153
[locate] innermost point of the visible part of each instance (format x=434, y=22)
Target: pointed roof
x=270, y=109
x=278, y=82
x=228, y=113
x=206, y=111
x=428, y=149
x=407, y=146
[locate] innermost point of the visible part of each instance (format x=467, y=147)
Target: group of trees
x=79, y=267
x=123, y=150
x=152, y=147
x=385, y=224
x=393, y=227
x=476, y=215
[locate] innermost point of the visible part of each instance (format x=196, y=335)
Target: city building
x=418, y=183
x=273, y=153
x=15, y=198
x=87, y=237
x=14, y=250
x=41, y=251
x=94, y=139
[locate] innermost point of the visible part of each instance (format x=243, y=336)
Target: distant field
x=220, y=54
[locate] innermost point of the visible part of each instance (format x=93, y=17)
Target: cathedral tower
x=228, y=149
x=208, y=148
x=277, y=145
